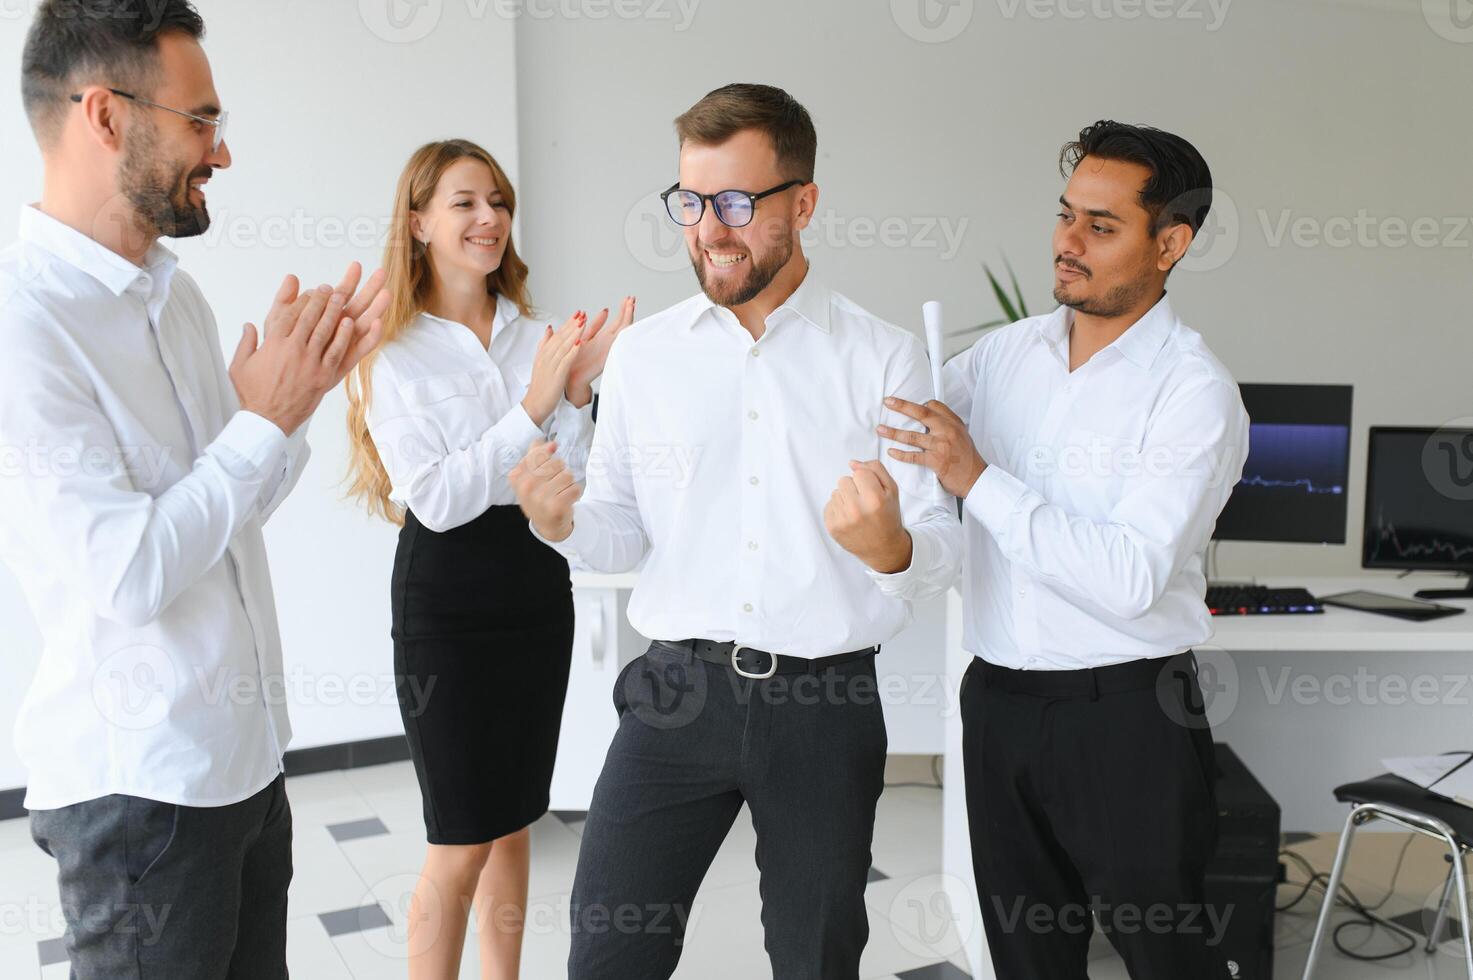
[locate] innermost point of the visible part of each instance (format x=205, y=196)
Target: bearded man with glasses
x=776, y=566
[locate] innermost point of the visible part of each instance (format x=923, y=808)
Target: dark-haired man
x=152, y=740
x=724, y=423
x=1094, y=448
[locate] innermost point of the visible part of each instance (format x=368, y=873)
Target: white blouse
x=447, y=420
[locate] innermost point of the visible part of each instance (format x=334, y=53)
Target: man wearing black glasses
x=136, y=523
x=782, y=549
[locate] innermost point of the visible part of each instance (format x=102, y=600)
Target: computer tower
x=1243, y=875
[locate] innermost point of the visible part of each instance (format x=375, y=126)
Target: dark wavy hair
x=1179, y=190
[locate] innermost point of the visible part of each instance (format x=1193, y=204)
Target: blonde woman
x=463, y=384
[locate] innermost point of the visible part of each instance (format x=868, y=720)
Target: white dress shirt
x=132, y=494
x=447, y=420
x=1085, y=534
x=717, y=455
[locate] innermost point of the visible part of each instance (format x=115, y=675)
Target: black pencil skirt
x=483, y=641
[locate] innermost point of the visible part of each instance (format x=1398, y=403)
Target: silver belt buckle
x=736, y=666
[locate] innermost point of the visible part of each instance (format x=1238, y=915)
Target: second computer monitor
x=1419, y=499
x=1294, y=483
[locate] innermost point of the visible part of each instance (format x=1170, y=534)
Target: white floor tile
x=19, y=958
x=311, y=953
x=323, y=879
x=325, y=798
x=15, y=833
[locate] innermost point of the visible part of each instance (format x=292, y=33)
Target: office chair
x=1409, y=806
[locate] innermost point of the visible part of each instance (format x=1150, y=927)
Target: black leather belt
x=759, y=664
x=1091, y=682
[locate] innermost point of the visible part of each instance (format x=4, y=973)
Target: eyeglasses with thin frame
x=733, y=208
x=218, y=122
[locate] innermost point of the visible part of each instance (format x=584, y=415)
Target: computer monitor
x=1294, y=482
x=1419, y=503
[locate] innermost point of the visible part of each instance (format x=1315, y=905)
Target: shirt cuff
x=519, y=429
x=921, y=558
x=252, y=445
x=994, y=498
x=567, y=547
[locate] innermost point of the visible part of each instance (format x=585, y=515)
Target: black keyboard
x=1260, y=600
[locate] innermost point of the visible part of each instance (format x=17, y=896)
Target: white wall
x=327, y=101
x=1304, y=109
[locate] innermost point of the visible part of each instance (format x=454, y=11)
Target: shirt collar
x=506, y=314
x=507, y=311
x=1139, y=344
x=90, y=256
x=1144, y=339
x=812, y=302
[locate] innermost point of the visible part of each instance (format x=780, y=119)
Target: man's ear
x=807, y=206
x=1173, y=242
x=103, y=114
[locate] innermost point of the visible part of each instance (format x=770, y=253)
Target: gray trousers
x=152, y=890
x=805, y=752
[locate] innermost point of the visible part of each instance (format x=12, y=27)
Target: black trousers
x=806, y=752
x=1090, y=801
x=156, y=890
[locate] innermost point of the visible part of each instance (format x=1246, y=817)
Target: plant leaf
x=1017, y=290
x=1002, y=297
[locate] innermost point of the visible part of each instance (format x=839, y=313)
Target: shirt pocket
x=452, y=405
x=438, y=388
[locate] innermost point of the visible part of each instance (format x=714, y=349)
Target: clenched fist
x=546, y=491
x=863, y=516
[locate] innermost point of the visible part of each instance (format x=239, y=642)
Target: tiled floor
x=359, y=844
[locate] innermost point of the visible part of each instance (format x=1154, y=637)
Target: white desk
x=1307, y=702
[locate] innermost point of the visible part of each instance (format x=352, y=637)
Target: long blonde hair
x=409, y=282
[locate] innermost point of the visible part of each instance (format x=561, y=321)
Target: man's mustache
x=1071, y=264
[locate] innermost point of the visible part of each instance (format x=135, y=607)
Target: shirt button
x=746, y=607
x=751, y=546
x=756, y=352
x=1022, y=593
x=752, y=480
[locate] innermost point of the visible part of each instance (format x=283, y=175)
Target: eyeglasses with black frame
x=733, y=208
x=218, y=121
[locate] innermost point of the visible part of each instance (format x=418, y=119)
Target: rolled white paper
x=931, y=314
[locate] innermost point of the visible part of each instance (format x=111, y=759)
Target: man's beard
x=759, y=276
x=159, y=197
x=1117, y=301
